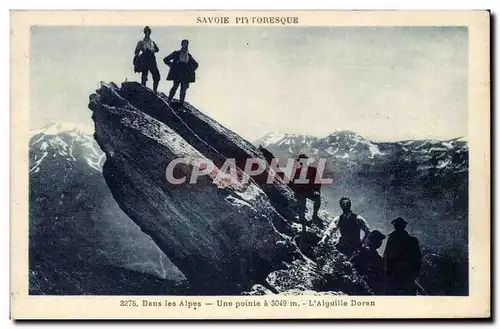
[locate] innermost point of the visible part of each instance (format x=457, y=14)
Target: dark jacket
x=371, y=265
x=350, y=231
x=180, y=71
x=305, y=189
x=402, y=257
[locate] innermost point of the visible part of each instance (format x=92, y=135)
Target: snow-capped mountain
x=73, y=216
x=343, y=144
x=292, y=143
x=347, y=150
x=66, y=141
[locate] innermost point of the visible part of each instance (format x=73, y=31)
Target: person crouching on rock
x=145, y=60
x=182, y=71
x=350, y=226
x=370, y=264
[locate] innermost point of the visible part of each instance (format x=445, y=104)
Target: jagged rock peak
x=223, y=237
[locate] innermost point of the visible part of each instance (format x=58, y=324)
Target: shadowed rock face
x=224, y=237
x=211, y=139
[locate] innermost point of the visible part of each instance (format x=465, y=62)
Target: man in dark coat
x=145, y=60
x=370, y=264
x=402, y=259
x=350, y=226
x=310, y=190
x=303, y=191
x=182, y=71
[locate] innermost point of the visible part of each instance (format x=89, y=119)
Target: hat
x=399, y=220
x=302, y=156
x=376, y=235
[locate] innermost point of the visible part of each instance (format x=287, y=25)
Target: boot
x=155, y=86
x=170, y=97
x=181, y=99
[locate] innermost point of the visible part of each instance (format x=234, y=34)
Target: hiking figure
x=370, y=264
x=145, y=60
x=402, y=259
x=350, y=226
x=308, y=190
x=267, y=155
x=182, y=71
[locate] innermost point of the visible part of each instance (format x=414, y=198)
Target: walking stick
x=420, y=289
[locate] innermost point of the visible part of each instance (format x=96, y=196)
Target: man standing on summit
x=145, y=60
x=182, y=71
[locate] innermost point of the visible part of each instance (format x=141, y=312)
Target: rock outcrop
x=224, y=236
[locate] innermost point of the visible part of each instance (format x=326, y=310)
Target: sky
x=384, y=83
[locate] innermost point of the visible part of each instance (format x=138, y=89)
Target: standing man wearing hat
x=402, y=259
x=145, y=60
x=350, y=226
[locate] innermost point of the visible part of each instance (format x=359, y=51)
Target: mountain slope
x=73, y=217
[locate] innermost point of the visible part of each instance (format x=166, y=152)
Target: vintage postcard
x=250, y=164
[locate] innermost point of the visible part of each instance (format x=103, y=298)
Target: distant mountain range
x=403, y=163
x=74, y=219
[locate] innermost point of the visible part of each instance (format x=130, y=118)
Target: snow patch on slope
x=61, y=140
